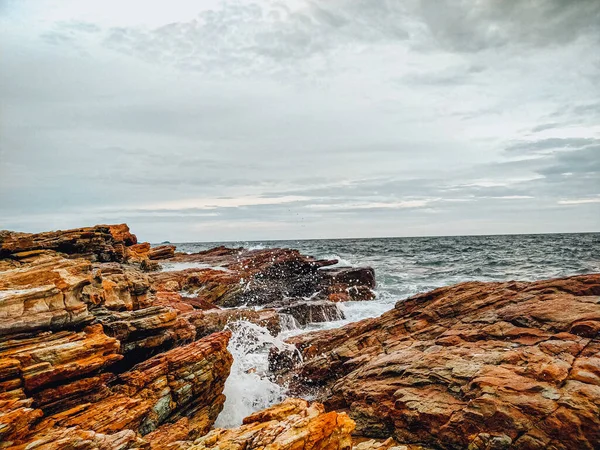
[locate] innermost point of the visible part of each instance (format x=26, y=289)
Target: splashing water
x=404, y=267
x=248, y=387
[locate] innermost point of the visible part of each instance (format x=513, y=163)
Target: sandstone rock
x=147, y=328
x=477, y=365
x=54, y=357
x=138, y=252
x=44, y=295
x=293, y=424
x=184, y=383
x=75, y=438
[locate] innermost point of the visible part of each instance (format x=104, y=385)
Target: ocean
x=403, y=267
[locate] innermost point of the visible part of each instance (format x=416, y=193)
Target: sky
x=240, y=120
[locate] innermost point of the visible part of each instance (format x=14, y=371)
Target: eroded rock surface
x=475, y=365
x=293, y=424
x=97, y=353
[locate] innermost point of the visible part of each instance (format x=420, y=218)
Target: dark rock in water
x=306, y=312
x=351, y=276
x=476, y=365
x=96, y=353
x=211, y=321
x=261, y=277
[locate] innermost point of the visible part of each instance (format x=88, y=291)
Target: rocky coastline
x=100, y=348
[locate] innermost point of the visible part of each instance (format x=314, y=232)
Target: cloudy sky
x=225, y=120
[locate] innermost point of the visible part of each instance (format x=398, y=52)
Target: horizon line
x=375, y=237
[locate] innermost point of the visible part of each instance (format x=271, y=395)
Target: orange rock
x=478, y=365
x=63, y=355
x=293, y=424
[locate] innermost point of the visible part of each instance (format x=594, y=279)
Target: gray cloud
x=296, y=119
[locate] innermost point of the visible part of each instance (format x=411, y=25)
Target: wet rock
x=260, y=277
x=476, y=365
x=351, y=276
x=161, y=252
x=211, y=321
x=305, y=312
x=52, y=357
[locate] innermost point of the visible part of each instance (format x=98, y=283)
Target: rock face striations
x=101, y=349
x=98, y=353
x=476, y=365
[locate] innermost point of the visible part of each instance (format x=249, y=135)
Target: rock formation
x=96, y=353
x=293, y=424
x=476, y=365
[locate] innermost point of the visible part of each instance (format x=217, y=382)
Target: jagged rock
x=291, y=425
x=117, y=288
x=74, y=438
x=138, y=252
x=52, y=357
x=146, y=328
x=351, y=276
x=186, y=382
x=372, y=444
x=211, y=321
x=342, y=284
x=258, y=277
x=477, y=365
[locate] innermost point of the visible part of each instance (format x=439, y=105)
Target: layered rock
x=476, y=365
x=293, y=424
x=186, y=382
x=236, y=277
x=102, y=242
x=95, y=353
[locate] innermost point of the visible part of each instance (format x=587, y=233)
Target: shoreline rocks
x=476, y=365
x=98, y=353
x=99, y=349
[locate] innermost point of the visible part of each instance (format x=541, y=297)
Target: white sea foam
x=248, y=387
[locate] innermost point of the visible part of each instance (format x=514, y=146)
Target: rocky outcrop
x=476, y=365
x=96, y=353
x=293, y=424
x=305, y=312
x=211, y=321
x=238, y=277
x=184, y=383
x=101, y=242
